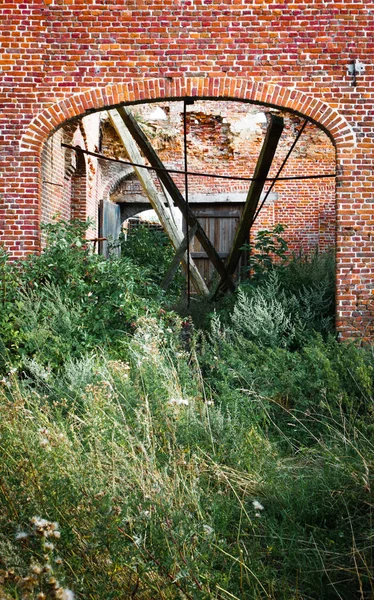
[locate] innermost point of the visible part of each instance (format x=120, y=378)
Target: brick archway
x=334, y=124
x=353, y=310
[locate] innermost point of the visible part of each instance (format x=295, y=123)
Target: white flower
x=48, y=546
x=257, y=505
x=36, y=569
x=39, y=523
x=67, y=594
x=179, y=401
x=208, y=530
x=21, y=535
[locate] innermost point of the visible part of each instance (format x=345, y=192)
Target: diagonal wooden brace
x=174, y=233
x=174, y=192
x=265, y=159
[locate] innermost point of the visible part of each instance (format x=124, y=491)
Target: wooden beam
x=174, y=192
x=174, y=233
x=261, y=172
x=176, y=260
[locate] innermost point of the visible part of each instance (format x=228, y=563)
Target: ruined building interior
x=223, y=137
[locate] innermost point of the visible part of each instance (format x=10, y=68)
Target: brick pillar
x=79, y=189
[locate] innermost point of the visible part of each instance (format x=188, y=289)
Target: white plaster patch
x=157, y=115
x=249, y=123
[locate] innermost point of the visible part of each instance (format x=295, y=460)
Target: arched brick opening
x=150, y=90
x=323, y=115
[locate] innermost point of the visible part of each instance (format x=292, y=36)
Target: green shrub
x=236, y=463
x=69, y=301
x=151, y=250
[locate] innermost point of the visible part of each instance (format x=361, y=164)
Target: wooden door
x=220, y=223
x=109, y=226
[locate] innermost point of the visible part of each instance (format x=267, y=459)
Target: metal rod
x=186, y=199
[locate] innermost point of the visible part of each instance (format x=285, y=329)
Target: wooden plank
x=174, y=192
x=261, y=172
x=204, y=254
x=216, y=215
x=174, y=233
x=177, y=260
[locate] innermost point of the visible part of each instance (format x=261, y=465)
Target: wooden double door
x=220, y=223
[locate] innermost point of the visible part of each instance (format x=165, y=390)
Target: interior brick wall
x=63, y=58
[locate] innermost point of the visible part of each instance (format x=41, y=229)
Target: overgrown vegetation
x=230, y=462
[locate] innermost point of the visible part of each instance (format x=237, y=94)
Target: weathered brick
x=292, y=55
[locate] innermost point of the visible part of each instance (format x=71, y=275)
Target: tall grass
x=234, y=462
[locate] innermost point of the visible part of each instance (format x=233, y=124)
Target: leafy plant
x=269, y=249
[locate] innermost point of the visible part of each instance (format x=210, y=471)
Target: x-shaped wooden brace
x=128, y=130
x=154, y=160
x=174, y=233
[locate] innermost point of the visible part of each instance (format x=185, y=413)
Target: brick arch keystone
x=92, y=100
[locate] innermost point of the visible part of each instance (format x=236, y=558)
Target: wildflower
x=36, y=569
x=44, y=442
x=208, y=530
x=48, y=546
x=21, y=535
x=179, y=401
x=44, y=431
x=67, y=594
x=257, y=505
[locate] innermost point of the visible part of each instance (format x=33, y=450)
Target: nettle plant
x=269, y=250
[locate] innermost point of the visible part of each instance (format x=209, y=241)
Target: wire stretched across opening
x=193, y=173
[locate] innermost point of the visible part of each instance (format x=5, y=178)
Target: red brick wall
x=61, y=58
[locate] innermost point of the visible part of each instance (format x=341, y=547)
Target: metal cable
x=193, y=173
